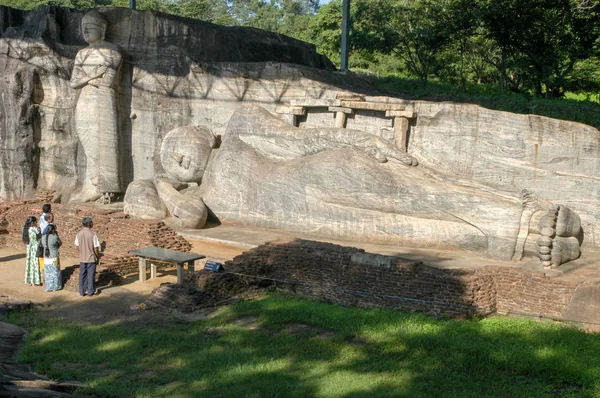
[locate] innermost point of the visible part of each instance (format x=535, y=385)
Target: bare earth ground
x=226, y=242
x=112, y=304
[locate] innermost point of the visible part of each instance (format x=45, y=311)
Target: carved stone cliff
x=174, y=72
x=178, y=72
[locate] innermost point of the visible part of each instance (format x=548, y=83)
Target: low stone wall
x=349, y=276
x=116, y=230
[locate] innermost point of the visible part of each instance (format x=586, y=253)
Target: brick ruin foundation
x=118, y=232
x=322, y=271
x=351, y=277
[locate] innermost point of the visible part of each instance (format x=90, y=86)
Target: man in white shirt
x=89, y=245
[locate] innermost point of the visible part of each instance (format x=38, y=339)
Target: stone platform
x=585, y=268
x=583, y=309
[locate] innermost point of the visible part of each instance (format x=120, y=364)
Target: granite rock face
x=185, y=152
x=344, y=183
x=142, y=200
x=174, y=72
x=325, y=153
x=556, y=161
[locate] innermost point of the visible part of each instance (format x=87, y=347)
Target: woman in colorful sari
x=52, y=275
x=31, y=235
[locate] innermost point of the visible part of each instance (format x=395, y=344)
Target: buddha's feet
x=559, y=241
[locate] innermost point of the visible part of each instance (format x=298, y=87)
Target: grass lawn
x=283, y=346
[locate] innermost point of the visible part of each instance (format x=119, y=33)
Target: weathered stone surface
x=186, y=207
x=174, y=72
x=343, y=183
x=466, y=192
x=142, y=201
x=556, y=160
x=185, y=151
x=96, y=121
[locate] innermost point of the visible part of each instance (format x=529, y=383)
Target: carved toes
x=568, y=222
x=558, y=243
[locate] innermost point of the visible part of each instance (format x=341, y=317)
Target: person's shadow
x=13, y=257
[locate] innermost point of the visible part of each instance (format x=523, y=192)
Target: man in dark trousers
x=89, y=245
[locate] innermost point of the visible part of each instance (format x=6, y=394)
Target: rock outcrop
x=473, y=178
x=174, y=72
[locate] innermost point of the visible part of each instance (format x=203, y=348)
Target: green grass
x=577, y=107
x=367, y=353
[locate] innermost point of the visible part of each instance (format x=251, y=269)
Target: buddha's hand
x=98, y=71
x=382, y=150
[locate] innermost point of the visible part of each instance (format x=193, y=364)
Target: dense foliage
x=536, y=47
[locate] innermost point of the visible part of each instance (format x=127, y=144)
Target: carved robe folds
x=96, y=114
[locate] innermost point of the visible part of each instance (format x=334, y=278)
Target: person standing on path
x=89, y=245
x=46, y=218
x=51, y=242
x=31, y=235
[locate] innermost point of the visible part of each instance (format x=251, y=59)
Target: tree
x=541, y=39
x=215, y=11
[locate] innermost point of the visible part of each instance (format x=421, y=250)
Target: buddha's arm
x=110, y=76
x=80, y=79
x=258, y=128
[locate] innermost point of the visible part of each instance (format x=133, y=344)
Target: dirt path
x=112, y=304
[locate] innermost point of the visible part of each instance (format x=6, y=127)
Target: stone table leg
x=142, y=269
x=179, y=273
x=191, y=267
x=152, y=270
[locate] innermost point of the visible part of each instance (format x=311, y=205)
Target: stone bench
x=164, y=255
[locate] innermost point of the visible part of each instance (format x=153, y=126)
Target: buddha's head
x=185, y=152
x=93, y=27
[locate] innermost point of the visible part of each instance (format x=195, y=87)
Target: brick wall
x=119, y=233
x=531, y=293
x=349, y=276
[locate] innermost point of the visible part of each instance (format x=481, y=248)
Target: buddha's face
x=185, y=152
x=92, y=32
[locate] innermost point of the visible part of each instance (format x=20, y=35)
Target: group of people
x=42, y=267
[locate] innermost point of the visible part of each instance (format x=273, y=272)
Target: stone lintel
x=385, y=100
x=340, y=109
x=372, y=106
x=350, y=96
x=290, y=110
x=408, y=113
x=316, y=103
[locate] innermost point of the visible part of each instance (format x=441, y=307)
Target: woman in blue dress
x=31, y=235
x=52, y=275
